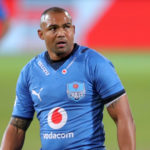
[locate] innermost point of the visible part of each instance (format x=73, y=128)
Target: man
x=68, y=86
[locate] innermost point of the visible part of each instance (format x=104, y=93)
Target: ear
x=40, y=33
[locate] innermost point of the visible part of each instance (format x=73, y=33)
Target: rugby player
x=68, y=86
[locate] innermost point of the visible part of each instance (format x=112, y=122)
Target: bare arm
x=14, y=135
x=121, y=114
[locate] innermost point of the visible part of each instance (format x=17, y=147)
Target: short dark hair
x=54, y=9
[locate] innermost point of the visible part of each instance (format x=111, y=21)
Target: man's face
x=58, y=32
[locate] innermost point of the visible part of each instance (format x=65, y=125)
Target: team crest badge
x=76, y=90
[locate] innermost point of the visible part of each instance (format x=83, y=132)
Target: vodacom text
x=52, y=135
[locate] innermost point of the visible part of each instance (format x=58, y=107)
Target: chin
x=61, y=52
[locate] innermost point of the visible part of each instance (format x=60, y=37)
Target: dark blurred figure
x=4, y=20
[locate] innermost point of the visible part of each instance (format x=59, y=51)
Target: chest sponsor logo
x=76, y=90
x=57, y=118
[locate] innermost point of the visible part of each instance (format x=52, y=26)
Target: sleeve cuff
x=108, y=104
x=113, y=97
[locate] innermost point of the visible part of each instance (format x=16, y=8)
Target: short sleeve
x=107, y=82
x=23, y=106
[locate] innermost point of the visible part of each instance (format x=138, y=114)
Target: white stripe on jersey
x=116, y=99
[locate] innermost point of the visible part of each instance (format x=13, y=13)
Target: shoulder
x=32, y=63
x=94, y=57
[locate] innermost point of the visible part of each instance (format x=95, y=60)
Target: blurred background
x=119, y=29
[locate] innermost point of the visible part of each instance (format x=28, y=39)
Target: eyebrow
x=51, y=25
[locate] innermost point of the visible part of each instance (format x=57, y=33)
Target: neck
x=59, y=56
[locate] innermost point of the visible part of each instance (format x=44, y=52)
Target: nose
x=60, y=32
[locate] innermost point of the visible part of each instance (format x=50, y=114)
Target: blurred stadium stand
x=106, y=24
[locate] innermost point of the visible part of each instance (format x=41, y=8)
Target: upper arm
x=106, y=81
x=120, y=109
x=15, y=133
x=24, y=106
x=20, y=123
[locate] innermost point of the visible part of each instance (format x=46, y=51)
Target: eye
x=52, y=28
x=67, y=26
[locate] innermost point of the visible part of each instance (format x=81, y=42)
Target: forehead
x=56, y=18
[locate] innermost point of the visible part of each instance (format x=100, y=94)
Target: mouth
x=61, y=44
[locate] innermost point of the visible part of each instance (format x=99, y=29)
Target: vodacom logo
x=57, y=118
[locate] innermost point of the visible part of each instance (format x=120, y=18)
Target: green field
x=134, y=71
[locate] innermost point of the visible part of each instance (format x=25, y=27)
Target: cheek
x=71, y=35
x=49, y=38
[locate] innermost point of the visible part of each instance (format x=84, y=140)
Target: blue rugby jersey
x=69, y=101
